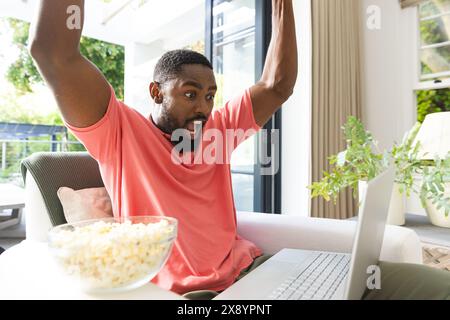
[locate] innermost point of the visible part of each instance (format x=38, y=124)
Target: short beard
x=167, y=124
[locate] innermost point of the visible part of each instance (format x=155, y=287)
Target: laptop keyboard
x=319, y=281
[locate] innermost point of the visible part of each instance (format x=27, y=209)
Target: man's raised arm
x=81, y=91
x=280, y=70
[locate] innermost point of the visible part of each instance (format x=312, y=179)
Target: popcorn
x=107, y=255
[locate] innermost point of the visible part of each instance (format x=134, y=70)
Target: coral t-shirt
x=137, y=165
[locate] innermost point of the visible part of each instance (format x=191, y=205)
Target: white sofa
x=270, y=232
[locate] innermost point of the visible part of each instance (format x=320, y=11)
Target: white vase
x=437, y=217
x=396, y=214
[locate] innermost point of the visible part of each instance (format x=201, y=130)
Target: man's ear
x=156, y=93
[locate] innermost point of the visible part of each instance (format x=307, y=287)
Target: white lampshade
x=434, y=136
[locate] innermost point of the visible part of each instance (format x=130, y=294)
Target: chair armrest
x=37, y=220
x=272, y=233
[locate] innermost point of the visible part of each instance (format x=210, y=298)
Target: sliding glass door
x=236, y=42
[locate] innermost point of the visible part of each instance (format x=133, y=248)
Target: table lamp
x=434, y=138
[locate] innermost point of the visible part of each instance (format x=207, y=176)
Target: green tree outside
x=432, y=101
x=109, y=58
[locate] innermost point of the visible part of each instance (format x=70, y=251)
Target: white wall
x=140, y=60
x=296, y=122
x=388, y=106
x=151, y=37
x=390, y=72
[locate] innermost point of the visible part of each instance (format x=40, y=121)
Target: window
x=233, y=50
x=434, y=18
x=29, y=119
x=433, y=88
x=237, y=40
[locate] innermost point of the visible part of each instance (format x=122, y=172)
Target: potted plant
x=358, y=163
x=362, y=161
x=429, y=179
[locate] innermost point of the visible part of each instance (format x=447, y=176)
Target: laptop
x=294, y=274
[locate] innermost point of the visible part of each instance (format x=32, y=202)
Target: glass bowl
x=113, y=254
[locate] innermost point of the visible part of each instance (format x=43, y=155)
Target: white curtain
x=337, y=91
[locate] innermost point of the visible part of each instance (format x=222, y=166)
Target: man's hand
x=81, y=91
x=280, y=70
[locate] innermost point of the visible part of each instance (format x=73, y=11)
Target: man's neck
x=166, y=135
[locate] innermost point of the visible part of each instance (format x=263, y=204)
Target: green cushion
x=76, y=170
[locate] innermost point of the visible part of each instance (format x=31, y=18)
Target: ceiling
x=125, y=21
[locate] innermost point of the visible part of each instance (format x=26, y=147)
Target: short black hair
x=170, y=64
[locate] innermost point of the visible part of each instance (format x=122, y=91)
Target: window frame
x=420, y=84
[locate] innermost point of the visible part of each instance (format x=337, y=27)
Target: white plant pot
x=396, y=214
x=437, y=217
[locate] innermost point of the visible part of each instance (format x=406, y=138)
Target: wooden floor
x=436, y=257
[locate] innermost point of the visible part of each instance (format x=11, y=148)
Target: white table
x=11, y=197
x=427, y=232
x=27, y=271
